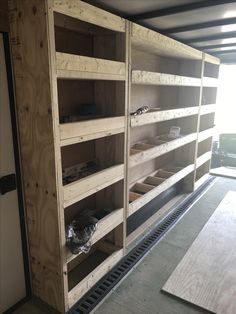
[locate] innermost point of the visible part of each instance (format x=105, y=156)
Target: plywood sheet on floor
x=206, y=276
x=229, y=172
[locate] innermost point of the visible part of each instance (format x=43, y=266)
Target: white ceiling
x=188, y=17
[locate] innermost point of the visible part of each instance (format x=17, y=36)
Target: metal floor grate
x=93, y=297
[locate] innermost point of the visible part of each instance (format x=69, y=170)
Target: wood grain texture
x=88, y=13
x=147, y=197
x=75, y=191
x=105, y=225
x=206, y=275
x=156, y=43
x=154, y=78
x=81, y=131
x=156, y=151
x=162, y=115
x=74, y=67
x=81, y=288
x=30, y=46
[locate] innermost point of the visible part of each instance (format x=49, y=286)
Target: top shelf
x=90, y=14
x=156, y=43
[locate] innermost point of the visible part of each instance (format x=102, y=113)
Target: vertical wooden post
x=31, y=53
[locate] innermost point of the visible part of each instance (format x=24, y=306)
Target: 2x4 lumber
x=76, y=132
x=32, y=47
x=85, y=12
x=162, y=149
x=156, y=43
x=162, y=115
x=205, y=109
x=203, y=159
x=70, y=66
x=203, y=135
x=140, y=202
x=155, y=78
x=104, y=226
x=75, y=191
x=81, y=288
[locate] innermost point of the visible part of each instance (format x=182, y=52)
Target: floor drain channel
x=95, y=295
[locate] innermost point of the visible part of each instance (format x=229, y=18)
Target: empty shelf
x=155, y=78
x=81, y=131
x=88, y=13
x=70, y=66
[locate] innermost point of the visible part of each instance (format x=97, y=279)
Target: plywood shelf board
x=211, y=59
x=206, y=109
x=76, y=132
x=105, y=225
x=156, y=43
x=70, y=66
x=206, y=275
x=162, y=149
x=201, y=181
x=91, y=14
x=154, y=78
x=82, y=287
x=75, y=191
x=162, y=115
x=154, y=219
x=147, y=197
x=203, y=135
x=203, y=159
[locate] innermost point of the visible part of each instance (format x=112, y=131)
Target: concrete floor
x=140, y=292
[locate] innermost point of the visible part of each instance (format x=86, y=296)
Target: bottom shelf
x=200, y=181
x=133, y=237
x=151, y=186
x=90, y=268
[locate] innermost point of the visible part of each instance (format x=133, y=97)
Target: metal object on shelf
x=79, y=233
x=174, y=132
x=79, y=171
x=141, y=110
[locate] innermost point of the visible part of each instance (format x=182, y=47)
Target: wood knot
x=19, y=15
x=41, y=44
x=34, y=9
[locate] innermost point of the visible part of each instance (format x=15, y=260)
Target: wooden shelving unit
x=80, y=73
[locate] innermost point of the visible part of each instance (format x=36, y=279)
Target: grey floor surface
x=140, y=292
